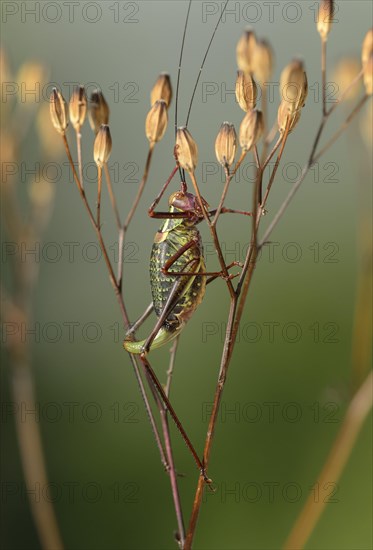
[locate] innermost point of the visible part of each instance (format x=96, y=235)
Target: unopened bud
x=58, y=111
x=263, y=61
x=284, y=113
x=245, y=51
x=246, y=91
x=325, y=18
x=98, y=113
x=156, y=121
x=367, y=49
x=186, y=149
x=368, y=76
x=226, y=144
x=78, y=107
x=162, y=89
x=251, y=129
x=102, y=145
x=294, y=85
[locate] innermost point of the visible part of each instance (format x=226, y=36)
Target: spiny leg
x=191, y=273
x=141, y=320
x=175, y=418
x=177, y=291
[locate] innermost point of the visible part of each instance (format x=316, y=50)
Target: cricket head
x=183, y=201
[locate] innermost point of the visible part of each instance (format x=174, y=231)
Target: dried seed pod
x=245, y=51
x=226, y=144
x=325, y=18
x=186, y=150
x=78, y=107
x=282, y=116
x=251, y=129
x=156, y=121
x=368, y=76
x=58, y=111
x=367, y=48
x=262, y=62
x=246, y=91
x=162, y=89
x=98, y=113
x=294, y=85
x=344, y=73
x=102, y=145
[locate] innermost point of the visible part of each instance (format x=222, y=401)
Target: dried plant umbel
x=252, y=135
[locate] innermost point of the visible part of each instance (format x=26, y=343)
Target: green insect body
x=179, y=296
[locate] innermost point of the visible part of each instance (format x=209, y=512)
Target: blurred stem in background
x=24, y=232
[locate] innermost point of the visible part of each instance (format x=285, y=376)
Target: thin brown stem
x=141, y=187
x=345, y=92
x=23, y=393
x=342, y=128
x=340, y=452
x=228, y=179
x=113, y=200
x=79, y=152
x=172, y=469
x=230, y=337
x=265, y=122
x=238, y=301
x=171, y=365
x=313, y=158
x=211, y=427
x=214, y=236
x=272, y=153
x=277, y=163
x=323, y=74
x=99, y=189
x=119, y=297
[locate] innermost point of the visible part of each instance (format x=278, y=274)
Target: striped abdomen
x=192, y=288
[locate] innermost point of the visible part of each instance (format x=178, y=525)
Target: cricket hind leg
x=141, y=320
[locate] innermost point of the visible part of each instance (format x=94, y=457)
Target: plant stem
x=141, y=187
x=337, y=459
x=119, y=297
x=323, y=73
x=214, y=236
x=172, y=470
x=235, y=316
x=112, y=197
x=342, y=128
x=282, y=140
x=79, y=151
x=99, y=188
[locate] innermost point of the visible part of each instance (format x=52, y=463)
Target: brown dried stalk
x=117, y=284
x=17, y=308
x=357, y=412
x=238, y=300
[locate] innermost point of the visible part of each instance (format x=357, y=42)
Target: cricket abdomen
x=192, y=288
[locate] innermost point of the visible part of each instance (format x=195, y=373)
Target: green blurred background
x=110, y=490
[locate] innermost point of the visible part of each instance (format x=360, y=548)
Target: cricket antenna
x=182, y=172
x=180, y=62
x=204, y=59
